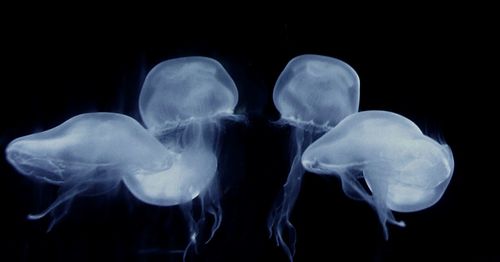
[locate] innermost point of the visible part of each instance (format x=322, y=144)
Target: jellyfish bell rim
x=28, y=169
x=309, y=126
x=316, y=167
x=168, y=126
x=451, y=160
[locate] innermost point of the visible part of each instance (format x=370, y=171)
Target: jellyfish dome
x=181, y=90
x=405, y=170
x=316, y=90
x=89, y=153
x=85, y=143
x=312, y=94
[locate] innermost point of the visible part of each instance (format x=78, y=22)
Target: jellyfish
x=89, y=154
x=172, y=161
x=384, y=159
x=183, y=103
x=312, y=94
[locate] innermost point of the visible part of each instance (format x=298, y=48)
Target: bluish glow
x=316, y=91
x=89, y=153
x=405, y=170
x=182, y=102
x=180, y=91
x=313, y=94
x=381, y=158
x=173, y=162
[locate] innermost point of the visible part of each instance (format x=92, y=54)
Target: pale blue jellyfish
x=312, y=94
x=404, y=170
x=183, y=102
x=88, y=154
x=174, y=161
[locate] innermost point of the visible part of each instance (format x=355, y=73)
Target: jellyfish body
x=312, y=94
x=178, y=184
x=180, y=91
x=89, y=153
x=404, y=170
x=170, y=162
x=183, y=102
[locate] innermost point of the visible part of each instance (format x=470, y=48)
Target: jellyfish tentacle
x=355, y=190
x=379, y=202
x=187, y=210
x=59, y=208
x=279, y=221
x=214, y=208
x=63, y=198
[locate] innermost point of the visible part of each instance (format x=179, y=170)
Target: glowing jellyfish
x=404, y=170
x=183, y=102
x=313, y=94
x=88, y=154
x=174, y=161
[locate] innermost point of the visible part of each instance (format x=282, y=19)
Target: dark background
x=427, y=67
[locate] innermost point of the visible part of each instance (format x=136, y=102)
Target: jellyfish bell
x=316, y=91
x=86, y=143
x=190, y=174
x=193, y=168
x=405, y=170
x=179, y=91
x=88, y=154
x=361, y=123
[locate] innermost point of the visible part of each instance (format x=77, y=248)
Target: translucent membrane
x=312, y=94
x=404, y=169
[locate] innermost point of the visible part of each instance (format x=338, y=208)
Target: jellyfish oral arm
x=278, y=223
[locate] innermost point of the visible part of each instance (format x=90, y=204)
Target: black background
x=425, y=67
